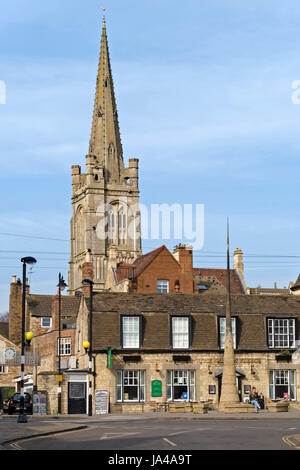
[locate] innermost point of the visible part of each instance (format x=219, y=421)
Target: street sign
x=59, y=378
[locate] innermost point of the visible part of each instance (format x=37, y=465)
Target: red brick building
x=163, y=271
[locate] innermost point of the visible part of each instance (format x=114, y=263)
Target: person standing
x=254, y=399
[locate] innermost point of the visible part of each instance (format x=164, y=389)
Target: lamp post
x=61, y=286
x=22, y=418
x=90, y=343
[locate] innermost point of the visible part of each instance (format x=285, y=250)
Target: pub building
x=153, y=350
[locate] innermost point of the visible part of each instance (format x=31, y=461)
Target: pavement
x=11, y=431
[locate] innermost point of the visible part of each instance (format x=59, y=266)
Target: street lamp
x=88, y=345
x=22, y=418
x=61, y=286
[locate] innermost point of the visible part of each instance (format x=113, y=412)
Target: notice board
x=101, y=402
x=39, y=403
x=156, y=388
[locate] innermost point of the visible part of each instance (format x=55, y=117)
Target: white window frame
x=130, y=378
x=46, y=326
x=131, y=325
x=162, y=286
x=188, y=379
x=3, y=370
x=65, y=346
x=285, y=378
x=281, y=333
x=222, y=331
x=180, y=327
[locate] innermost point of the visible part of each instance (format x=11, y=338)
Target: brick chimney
x=55, y=310
x=87, y=272
x=15, y=311
x=184, y=255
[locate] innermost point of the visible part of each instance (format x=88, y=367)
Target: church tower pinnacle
x=105, y=200
x=105, y=142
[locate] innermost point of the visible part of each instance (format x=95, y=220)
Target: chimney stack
x=238, y=264
x=15, y=311
x=184, y=256
x=87, y=272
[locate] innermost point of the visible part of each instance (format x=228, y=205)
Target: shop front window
x=130, y=385
x=181, y=385
x=282, y=384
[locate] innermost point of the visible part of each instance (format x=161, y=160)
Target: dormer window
x=281, y=333
x=222, y=331
x=181, y=332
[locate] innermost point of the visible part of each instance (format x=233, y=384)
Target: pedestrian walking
x=254, y=399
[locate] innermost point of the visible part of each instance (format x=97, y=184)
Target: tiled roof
x=251, y=312
x=41, y=305
x=221, y=275
x=124, y=271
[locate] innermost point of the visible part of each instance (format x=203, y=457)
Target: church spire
x=105, y=142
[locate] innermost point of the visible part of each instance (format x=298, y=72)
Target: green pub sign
x=156, y=388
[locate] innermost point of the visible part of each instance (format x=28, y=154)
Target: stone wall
x=48, y=382
x=253, y=369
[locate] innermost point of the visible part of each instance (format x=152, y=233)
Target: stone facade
x=253, y=370
x=255, y=362
x=105, y=200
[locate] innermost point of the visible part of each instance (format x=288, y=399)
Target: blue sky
x=204, y=101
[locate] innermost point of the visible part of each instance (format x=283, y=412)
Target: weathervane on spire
x=103, y=9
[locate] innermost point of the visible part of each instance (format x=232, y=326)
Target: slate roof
x=41, y=305
x=251, y=312
x=124, y=271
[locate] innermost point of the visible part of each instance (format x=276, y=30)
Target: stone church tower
x=105, y=200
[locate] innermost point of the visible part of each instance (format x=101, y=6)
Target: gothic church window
x=111, y=151
x=79, y=230
x=122, y=224
x=111, y=223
